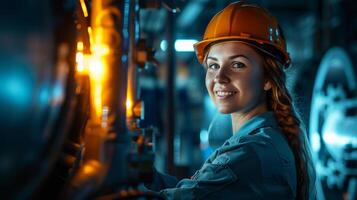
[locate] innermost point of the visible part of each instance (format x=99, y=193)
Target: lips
x=221, y=94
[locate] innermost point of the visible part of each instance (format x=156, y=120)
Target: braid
x=280, y=102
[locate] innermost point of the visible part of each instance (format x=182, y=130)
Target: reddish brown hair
x=280, y=102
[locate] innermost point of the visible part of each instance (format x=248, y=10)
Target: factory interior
x=95, y=94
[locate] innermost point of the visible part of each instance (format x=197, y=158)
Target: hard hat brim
x=201, y=47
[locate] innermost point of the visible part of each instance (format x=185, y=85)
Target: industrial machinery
x=70, y=113
x=107, y=58
x=333, y=119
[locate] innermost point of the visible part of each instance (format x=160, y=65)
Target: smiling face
x=235, y=77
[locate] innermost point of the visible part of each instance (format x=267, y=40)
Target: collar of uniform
x=266, y=119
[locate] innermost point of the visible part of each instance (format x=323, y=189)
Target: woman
x=244, y=52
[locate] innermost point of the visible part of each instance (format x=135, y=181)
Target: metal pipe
x=170, y=110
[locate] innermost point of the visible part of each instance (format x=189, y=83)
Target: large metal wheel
x=333, y=121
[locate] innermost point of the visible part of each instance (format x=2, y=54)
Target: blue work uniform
x=255, y=163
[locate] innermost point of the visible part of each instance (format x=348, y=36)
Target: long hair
x=280, y=102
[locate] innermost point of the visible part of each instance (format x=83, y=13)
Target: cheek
x=208, y=81
x=256, y=83
x=250, y=84
x=256, y=79
x=256, y=86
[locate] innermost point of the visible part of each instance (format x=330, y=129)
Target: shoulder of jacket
x=263, y=135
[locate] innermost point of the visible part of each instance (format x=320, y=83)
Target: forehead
x=227, y=49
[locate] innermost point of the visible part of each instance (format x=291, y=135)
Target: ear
x=267, y=85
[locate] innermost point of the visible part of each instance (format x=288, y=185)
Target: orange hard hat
x=249, y=24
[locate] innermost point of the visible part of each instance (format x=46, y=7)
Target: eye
x=238, y=65
x=213, y=66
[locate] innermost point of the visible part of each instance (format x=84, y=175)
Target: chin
x=225, y=110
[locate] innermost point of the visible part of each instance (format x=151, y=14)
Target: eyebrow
x=230, y=57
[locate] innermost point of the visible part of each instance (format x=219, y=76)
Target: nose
x=221, y=76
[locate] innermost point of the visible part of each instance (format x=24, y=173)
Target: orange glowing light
x=138, y=109
x=101, y=49
x=97, y=77
x=129, y=95
x=97, y=69
x=90, y=33
x=84, y=8
x=88, y=169
x=98, y=99
x=81, y=59
x=98, y=61
x=80, y=46
x=129, y=107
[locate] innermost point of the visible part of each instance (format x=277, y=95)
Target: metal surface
x=170, y=106
x=35, y=92
x=118, y=152
x=332, y=120
x=106, y=136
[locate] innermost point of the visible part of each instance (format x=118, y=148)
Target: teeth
x=221, y=93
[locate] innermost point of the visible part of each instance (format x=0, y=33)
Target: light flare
x=82, y=60
x=84, y=8
x=129, y=107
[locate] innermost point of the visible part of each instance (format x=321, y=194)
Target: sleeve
x=218, y=180
x=161, y=181
x=209, y=179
